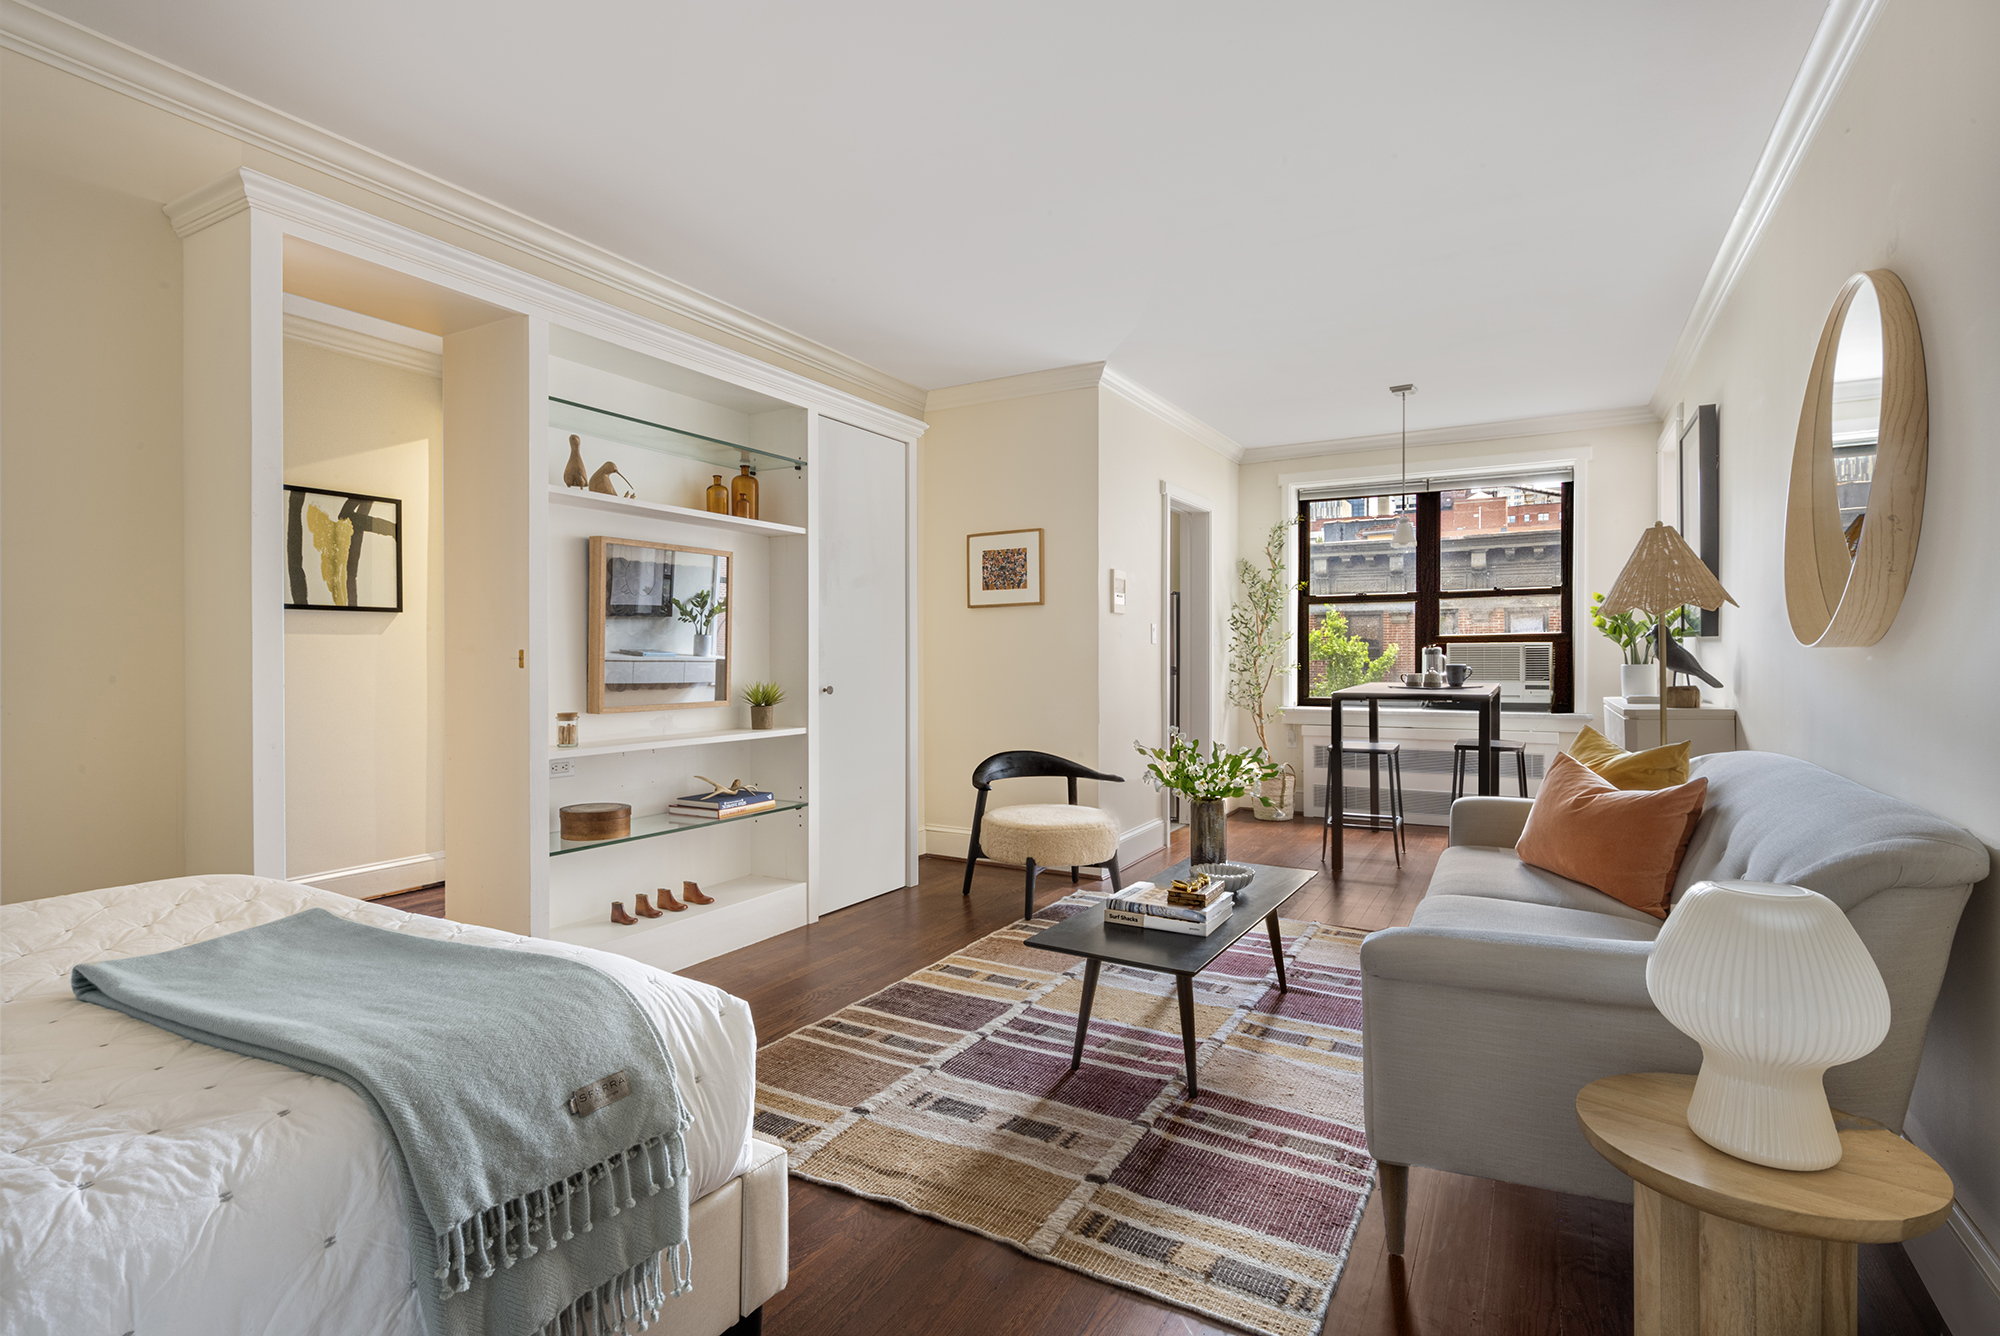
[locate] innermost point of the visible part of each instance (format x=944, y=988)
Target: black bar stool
x=1465, y=747
x=1336, y=796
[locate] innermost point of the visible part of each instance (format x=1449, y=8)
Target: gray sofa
x=1513, y=988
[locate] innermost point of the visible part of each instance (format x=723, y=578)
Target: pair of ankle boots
x=690, y=892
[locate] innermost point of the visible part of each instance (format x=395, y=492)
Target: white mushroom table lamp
x=1663, y=573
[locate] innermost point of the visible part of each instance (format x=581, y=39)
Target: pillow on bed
x=1628, y=845
x=1655, y=768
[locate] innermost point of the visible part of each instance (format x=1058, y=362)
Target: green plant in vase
x=1633, y=633
x=700, y=610
x=1207, y=780
x=763, y=699
x=1258, y=634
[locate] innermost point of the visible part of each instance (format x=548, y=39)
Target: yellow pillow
x=1656, y=768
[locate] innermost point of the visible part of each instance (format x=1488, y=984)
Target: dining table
x=1485, y=700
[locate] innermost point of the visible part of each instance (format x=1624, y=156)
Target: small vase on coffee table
x=1208, y=832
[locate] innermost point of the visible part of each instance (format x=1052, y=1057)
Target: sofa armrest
x=1597, y=970
x=1496, y=822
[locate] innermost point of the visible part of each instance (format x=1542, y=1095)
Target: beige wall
x=1137, y=452
x=1901, y=176
x=364, y=730
x=90, y=478
x=1616, y=469
x=1001, y=679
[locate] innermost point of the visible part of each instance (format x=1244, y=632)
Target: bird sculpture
x=574, y=474
x=600, y=481
x=1680, y=661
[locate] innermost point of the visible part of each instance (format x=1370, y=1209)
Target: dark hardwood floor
x=1484, y=1257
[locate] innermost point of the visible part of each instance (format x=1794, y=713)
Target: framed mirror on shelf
x=659, y=626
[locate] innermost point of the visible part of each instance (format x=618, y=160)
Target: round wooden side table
x=1720, y=1245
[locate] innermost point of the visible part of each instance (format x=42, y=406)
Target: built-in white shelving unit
x=821, y=584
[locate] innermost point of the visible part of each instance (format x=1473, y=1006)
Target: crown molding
x=1476, y=431
x=363, y=336
x=1174, y=416
x=1842, y=31
x=302, y=213
x=1053, y=381
x=68, y=46
x=1082, y=376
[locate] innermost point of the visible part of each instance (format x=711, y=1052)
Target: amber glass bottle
x=743, y=494
x=718, y=496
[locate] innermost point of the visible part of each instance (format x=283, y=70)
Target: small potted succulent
x=1207, y=782
x=763, y=698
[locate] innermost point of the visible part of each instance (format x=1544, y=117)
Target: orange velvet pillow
x=1628, y=844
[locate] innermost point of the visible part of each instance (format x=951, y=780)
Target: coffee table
x=1182, y=955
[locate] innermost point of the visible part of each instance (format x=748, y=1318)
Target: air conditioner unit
x=1524, y=671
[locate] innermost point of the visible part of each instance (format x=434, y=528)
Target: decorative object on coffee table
x=619, y=916
x=1663, y=576
x=1719, y=1245
x=574, y=473
x=1003, y=569
x=692, y=893
x=596, y=821
x=1258, y=635
x=1226, y=876
x=1040, y=835
x=1207, y=781
x=764, y=699
x=1776, y=986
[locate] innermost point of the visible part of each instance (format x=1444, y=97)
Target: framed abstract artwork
x=1003, y=570
x=343, y=551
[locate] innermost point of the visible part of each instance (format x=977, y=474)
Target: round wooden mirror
x=1857, y=495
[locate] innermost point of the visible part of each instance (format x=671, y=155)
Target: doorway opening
x=1187, y=625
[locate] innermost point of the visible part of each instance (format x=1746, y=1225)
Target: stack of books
x=1145, y=905
x=721, y=806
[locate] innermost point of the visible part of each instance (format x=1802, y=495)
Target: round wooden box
x=596, y=821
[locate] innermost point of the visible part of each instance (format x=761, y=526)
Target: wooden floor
x=1483, y=1257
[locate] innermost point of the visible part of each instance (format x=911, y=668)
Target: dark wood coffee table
x=1182, y=955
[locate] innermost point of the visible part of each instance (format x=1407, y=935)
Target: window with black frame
x=1488, y=577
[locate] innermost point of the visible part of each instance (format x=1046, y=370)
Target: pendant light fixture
x=1405, y=536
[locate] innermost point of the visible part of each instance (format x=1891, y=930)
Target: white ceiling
x=1265, y=214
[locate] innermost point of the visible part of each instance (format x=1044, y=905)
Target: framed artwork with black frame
x=1700, y=515
x=343, y=551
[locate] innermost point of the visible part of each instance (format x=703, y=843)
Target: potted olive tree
x=1258, y=636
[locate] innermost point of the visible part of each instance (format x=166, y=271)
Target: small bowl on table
x=1229, y=876
x=1413, y=679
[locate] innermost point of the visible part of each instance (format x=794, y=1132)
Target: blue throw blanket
x=539, y=1134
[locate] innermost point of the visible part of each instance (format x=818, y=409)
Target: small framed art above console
x=659, y=626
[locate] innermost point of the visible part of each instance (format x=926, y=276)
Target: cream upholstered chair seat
x=1052, y=834
x=1040, y=835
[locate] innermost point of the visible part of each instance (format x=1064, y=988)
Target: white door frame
x=1198, y=675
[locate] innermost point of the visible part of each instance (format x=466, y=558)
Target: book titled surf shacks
x=1147, y=906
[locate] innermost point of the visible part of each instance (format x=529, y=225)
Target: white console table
x=1637, y=727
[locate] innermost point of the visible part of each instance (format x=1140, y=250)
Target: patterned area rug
x=949, y=1094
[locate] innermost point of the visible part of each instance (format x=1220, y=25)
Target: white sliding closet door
x=863, y=732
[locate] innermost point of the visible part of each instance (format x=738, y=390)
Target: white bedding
x=155, y=1186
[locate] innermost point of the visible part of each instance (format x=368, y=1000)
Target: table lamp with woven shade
x=1663, y=573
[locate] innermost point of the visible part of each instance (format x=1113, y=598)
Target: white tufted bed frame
x=155, y=1186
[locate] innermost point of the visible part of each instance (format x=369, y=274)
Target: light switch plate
x=1118, y=579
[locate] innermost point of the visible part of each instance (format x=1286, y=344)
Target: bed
x=155, y=1186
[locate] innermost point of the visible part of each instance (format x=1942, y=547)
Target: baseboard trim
x=370, y=880
x=1961, y=1269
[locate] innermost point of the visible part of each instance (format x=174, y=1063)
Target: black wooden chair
x=1041, y=835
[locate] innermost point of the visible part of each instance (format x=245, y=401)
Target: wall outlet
x=561, y=769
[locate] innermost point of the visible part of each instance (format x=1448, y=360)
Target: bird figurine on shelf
x=600, y=481
x=729, y=790
x=574, y=473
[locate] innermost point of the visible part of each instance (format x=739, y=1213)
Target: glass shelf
x=646, y=827
x=568, y=415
